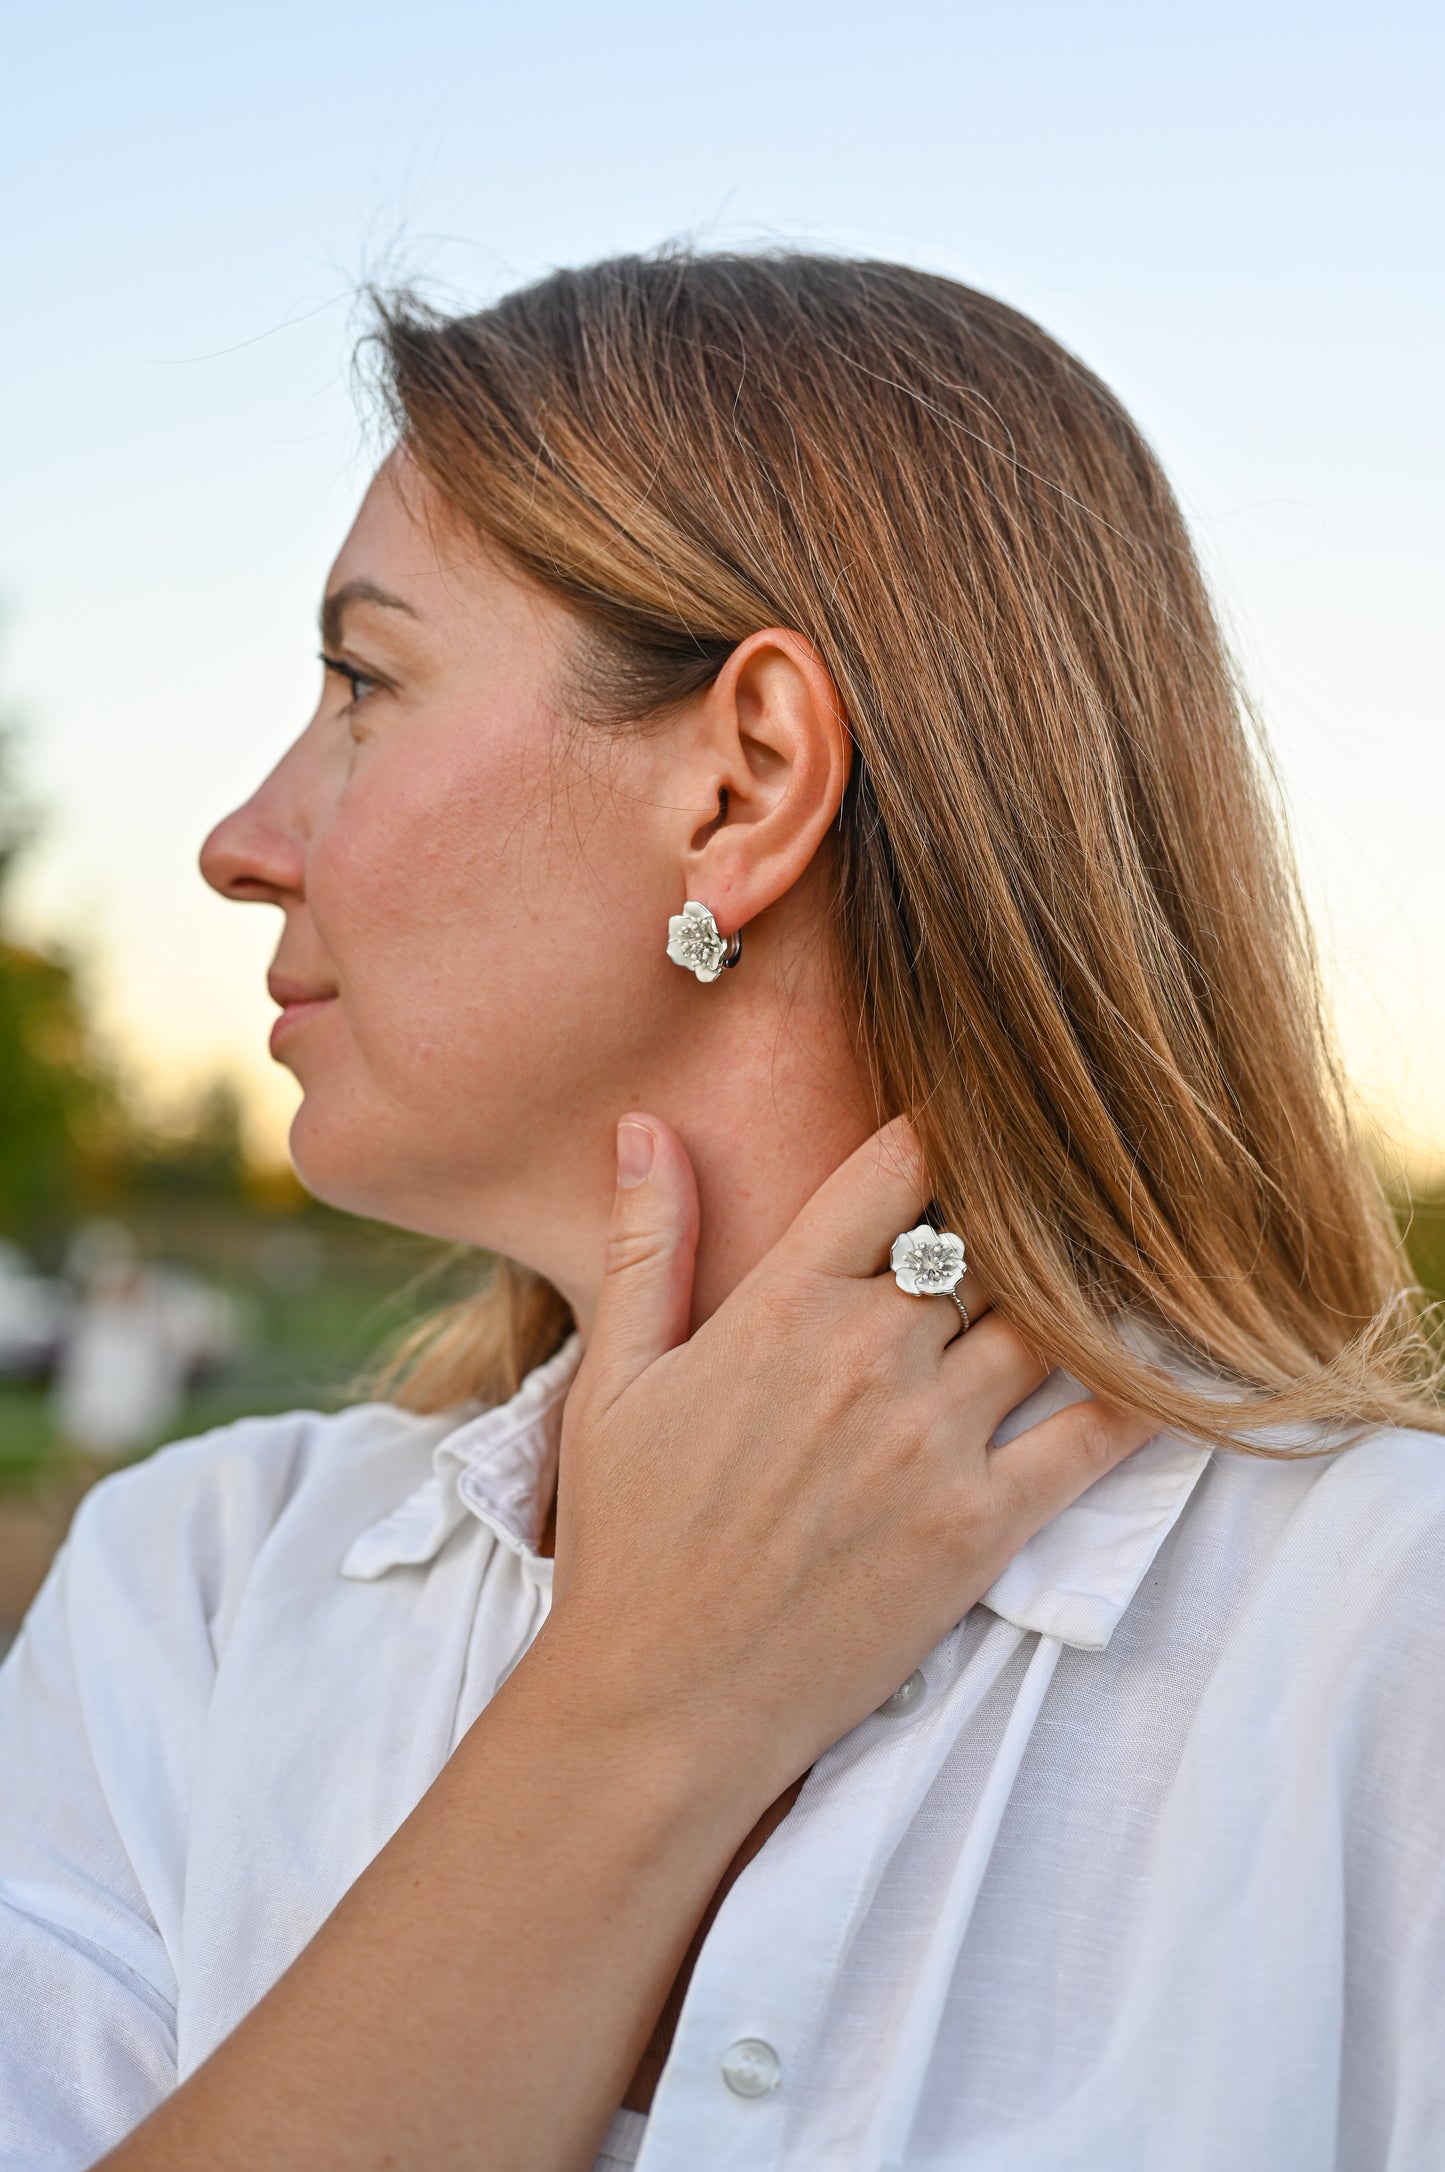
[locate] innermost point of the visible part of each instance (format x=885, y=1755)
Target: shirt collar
x=499, y=1466
x=1072, y=1580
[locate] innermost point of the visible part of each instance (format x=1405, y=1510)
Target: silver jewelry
x=695, y=943
x=930, y=1263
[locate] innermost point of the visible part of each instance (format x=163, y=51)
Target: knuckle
x=796, y=1307
x=1097, y=1433
x=815, y=1329
x=1009, y=1503
x=900, y=1151
x=1004, y=1355
x=918, y=1463
x=862, y=1356
x=631, y=1249
x=788, y=1304
x=932, y=1520
x=950, y=1521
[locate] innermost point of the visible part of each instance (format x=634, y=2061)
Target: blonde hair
x=1068, y=928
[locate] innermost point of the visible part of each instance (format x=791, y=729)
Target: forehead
x=407, y=542
x=405, y=529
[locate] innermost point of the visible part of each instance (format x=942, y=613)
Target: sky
x=1232, y=212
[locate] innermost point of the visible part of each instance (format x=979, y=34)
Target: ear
x=767, y=760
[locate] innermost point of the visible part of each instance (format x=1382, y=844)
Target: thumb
x=646, y=1304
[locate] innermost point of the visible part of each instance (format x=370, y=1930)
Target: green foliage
x=56, y=1107
x=56, y=1104
x=1423, y=1223
x=207, y=1160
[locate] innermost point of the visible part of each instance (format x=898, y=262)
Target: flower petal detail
x=928, y=1262
x=694, y=941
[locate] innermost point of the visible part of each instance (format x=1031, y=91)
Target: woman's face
x=475, y=893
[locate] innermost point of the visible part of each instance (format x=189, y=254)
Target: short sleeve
x=104, y=1699
x=87, y=2028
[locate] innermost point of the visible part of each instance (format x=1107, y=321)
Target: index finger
x=852, y=1218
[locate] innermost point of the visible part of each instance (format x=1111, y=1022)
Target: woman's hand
x=762, y=1528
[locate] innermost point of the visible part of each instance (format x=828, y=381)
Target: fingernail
x=634, y=1154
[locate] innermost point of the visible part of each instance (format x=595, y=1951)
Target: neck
x=768, y=1101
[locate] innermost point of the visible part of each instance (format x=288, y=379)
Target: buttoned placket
x=772, y=1961
x=767, y=1972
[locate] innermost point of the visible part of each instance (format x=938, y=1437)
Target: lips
x=285, y=991
x=299, y=1001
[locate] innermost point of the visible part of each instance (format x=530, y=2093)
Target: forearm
x=484, y=1991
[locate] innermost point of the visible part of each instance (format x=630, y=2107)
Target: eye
x=360, y=682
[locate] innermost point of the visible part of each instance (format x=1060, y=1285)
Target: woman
x=978, y=1722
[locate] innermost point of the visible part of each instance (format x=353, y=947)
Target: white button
x=750, y=2067
x=904, y=1699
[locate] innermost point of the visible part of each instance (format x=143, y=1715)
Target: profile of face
x=476, y=890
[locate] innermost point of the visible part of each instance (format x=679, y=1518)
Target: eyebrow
x=335, y=606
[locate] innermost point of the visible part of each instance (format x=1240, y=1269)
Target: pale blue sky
x=1232, y=212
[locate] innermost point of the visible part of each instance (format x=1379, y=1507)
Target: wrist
x=598, y=1708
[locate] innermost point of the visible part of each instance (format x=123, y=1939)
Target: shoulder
x=1388, y=1488
x=1389, y=1485
x=261, y=1463
x=179, y=1534
x=1380, y=1508
x=1344, y=1551
x=1399, y=1459
x=106, y=1693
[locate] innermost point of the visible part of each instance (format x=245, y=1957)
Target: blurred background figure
x=35, y=1312
x=138, y=1337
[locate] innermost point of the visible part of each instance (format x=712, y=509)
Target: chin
x=336, y=1166
x=360, y=1167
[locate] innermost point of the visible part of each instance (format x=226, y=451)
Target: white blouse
x=1142, y=1871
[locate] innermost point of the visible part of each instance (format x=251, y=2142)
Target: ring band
x=963, y=1309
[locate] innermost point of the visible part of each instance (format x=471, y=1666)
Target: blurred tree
x=58, y=1107
x=204, y=1158
x=71, y=1138
x=58, y=1114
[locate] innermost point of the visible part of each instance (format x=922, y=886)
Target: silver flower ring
x=930, y=1263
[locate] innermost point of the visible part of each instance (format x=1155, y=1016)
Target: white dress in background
x=122, y=1375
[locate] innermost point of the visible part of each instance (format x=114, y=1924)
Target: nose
x=254, y=853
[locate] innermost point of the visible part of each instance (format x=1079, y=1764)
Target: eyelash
x=353, y=678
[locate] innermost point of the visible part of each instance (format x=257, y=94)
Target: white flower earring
x=695, y=942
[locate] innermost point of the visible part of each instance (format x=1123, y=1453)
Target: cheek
x=409, y=879
x=482, y=923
